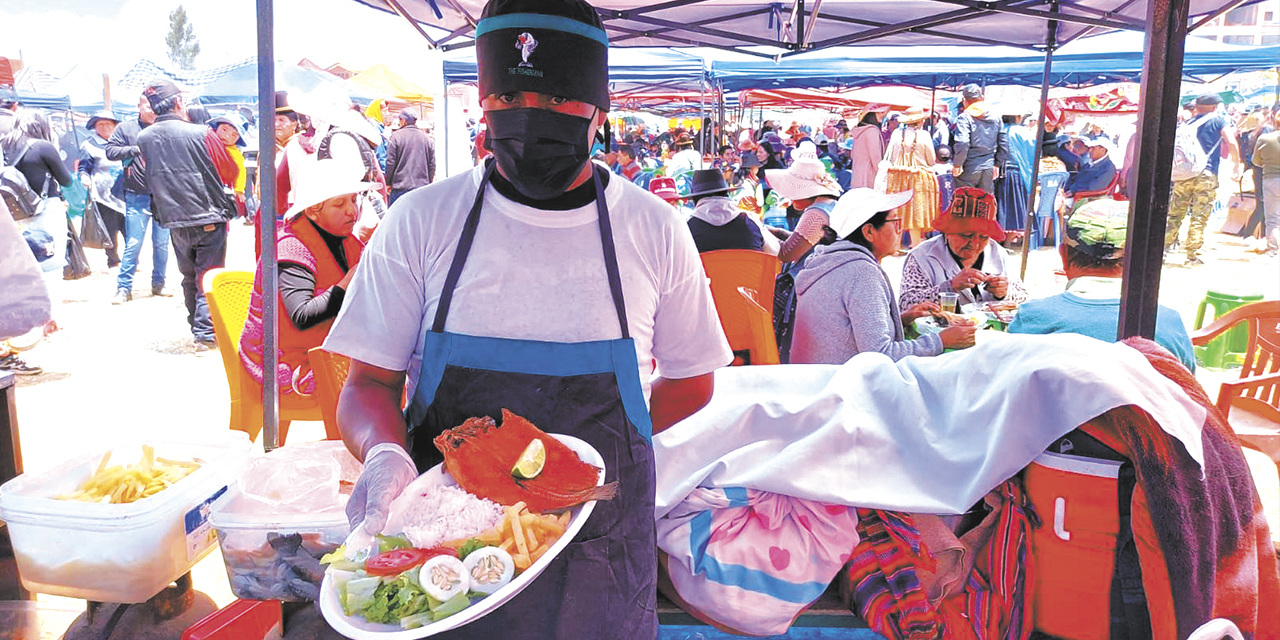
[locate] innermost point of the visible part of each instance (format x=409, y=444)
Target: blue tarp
x=630, y=70
x=43, y=100
x=1113, y=57
x=240, y=86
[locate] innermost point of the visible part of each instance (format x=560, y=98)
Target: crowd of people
x=560, y=277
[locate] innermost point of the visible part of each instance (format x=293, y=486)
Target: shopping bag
x=93, y=231
x=77, y=262
x=76, y=195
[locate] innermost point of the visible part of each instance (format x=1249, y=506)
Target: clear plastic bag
x=308, y=477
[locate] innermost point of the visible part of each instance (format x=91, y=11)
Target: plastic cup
x=949, y=301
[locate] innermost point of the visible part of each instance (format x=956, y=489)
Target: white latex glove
x=388, y=469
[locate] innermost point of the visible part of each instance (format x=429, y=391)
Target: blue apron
x=604, y=583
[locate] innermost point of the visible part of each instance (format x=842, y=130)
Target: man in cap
x=534, y=283
x=1093, y=259
x=132, y=188
x=1097, y=168
x=99, y=173
x=1193, y=198
x=980, y=145
x=411, y=157
x=191, y=177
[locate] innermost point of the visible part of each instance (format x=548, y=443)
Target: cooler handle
x=1059, y=516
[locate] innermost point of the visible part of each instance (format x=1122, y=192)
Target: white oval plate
x=359, y=629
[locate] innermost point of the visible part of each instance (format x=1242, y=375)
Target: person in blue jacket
x=1093, y=259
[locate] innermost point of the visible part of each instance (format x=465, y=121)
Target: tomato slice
x=397, y=561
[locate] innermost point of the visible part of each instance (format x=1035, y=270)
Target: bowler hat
x=708, y=182
x=101, y=115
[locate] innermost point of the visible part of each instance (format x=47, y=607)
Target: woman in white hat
x=317, y=254
x=845, y=303
x=810, y=189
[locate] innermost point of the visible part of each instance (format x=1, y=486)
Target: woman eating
x=846, y=304
x=967, y=259
x=317, y=258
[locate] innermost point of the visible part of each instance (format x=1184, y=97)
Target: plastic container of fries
x=123, y=552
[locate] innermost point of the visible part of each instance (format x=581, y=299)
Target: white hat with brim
x=321, y=180
x=806, y=178
x=859, y=205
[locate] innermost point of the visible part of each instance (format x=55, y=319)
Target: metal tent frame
x=784, y=29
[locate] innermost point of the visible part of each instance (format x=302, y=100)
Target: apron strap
x=610, y=254
x=469, y=236
x=460, y=256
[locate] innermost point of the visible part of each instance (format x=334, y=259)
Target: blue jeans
x=137, y=217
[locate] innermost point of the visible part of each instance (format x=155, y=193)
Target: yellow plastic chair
x=228, y=294
x=330, y=370
x=742, y=288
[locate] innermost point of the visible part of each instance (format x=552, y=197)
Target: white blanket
x=923, y=435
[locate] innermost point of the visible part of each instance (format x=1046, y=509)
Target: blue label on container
x=200, y=535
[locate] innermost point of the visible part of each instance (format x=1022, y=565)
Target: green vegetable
x=450, y=607
x=360, y=594
x=387, y=543
x=469, y=546
x=338, y=560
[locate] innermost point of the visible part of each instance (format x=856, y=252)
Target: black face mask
x=540, y=152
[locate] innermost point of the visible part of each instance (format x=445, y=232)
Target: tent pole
x=267, y=218
x=1051, y=43
x=933, y=103
x=1149, y=203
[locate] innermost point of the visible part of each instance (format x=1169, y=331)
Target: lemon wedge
x=530, y=463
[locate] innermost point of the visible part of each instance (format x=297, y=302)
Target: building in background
x=1255, y=24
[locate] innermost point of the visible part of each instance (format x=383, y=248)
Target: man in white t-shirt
x=514, y=286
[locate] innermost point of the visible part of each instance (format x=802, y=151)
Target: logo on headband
x=526, y=44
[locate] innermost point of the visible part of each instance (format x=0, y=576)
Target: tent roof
x=1111, y=57
x=630, y=70
x=241, y=84
x=382, y=79
x=741, y=24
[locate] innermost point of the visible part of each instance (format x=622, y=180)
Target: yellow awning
x=384, y=80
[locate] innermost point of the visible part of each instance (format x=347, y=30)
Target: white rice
x=448, y=513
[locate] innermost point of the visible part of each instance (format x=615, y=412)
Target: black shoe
x=14, y=364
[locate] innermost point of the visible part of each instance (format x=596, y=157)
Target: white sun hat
x=319, y=180
x=859, y=205
x=805, y=178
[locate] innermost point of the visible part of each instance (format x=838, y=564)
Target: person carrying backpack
x=1195, y=173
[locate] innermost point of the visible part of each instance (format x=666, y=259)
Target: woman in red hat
x=966, y=259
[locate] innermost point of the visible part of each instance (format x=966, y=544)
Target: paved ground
x=130, y=373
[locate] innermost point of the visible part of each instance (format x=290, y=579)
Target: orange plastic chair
x=228, y=294
x=330, y=370
x=742, y=288
x=1251, y=403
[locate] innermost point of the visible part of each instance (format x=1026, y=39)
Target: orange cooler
x=1074, y=549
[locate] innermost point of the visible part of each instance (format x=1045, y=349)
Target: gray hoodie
x=845, y=306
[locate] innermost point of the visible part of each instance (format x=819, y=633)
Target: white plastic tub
x=117, y=552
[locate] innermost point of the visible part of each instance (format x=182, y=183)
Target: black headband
x=547, y=54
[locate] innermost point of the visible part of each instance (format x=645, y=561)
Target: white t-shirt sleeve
x=688, y=340
x=382, y=316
